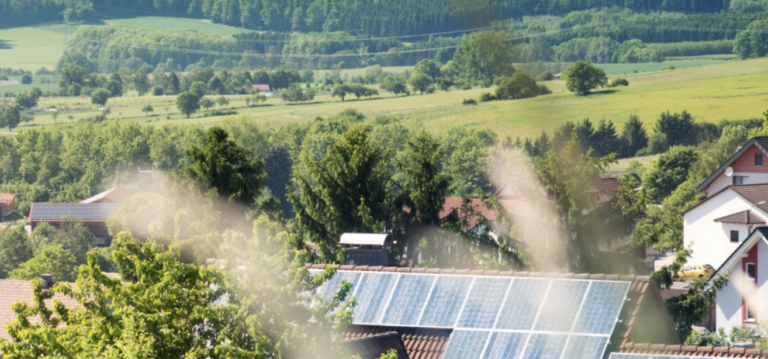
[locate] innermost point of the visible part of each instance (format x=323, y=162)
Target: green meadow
x=730, y=90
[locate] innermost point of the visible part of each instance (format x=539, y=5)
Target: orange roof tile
x=12, y=291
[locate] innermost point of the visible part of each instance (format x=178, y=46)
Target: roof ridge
x=677, y=348
x=481, y=272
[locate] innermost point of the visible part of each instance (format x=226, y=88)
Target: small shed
x=7, y=204
x=365, y=249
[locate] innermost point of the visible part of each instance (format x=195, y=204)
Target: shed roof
x=76, y=211
x=363, y=239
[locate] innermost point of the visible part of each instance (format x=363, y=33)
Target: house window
x=751, y=271
x=749, y=315
x=735, y=236
x=739, y=180
x=758, y=159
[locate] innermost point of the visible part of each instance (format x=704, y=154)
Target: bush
x=158, y=91
x=545, y=76
x=707, y=339
x=26, y=79
x=486, y=97
x=469, y=101
x=619, y=81
x=544, y=90
x=657, y=143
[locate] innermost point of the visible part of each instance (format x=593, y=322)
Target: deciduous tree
x=582, y=77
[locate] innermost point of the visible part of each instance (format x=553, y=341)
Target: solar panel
x=81, y=211
x=585, y=346
x=445, y=301
x=505, y=345
x=332, y=285
x=372, y=292
x=408, y=299
x=466, y=344
x=522, y=304
x=545, y=346
x=482, y=305
x=601, y=307
x=562, y=302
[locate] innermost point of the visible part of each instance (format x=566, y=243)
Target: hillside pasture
x=31, y=48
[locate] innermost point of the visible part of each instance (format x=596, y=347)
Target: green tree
x=483, y=56
x=343, y=191
x=582, y=77
x=221, y=165
x=669, y=171
x=27, y=100
x=174, y=85
x=633, y=136
x=147, y=109
x=26, y=79
x=72, y=236
x=188, y=103
x=51, y=259
x=341, y=91
x=161, y=308
x=222, y=101
x=520, y=85
x=100, y=97
x=198, y=88
x=712, y=158
x=14, y=250
x=678, y=127
x=425, y=184
x=420, y=82
x=216, y=86
x=395, y=85
x=428, y=67
x=10, y=116
x=207, y=103
x=140, y=80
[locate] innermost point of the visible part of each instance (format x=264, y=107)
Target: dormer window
x=758, y=159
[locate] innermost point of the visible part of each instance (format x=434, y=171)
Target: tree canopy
x=582, y=77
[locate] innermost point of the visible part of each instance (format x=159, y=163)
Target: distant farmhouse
x=265, y=89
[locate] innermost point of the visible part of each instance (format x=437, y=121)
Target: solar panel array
x=492, y=317
x=657, y=356
x=81, y=211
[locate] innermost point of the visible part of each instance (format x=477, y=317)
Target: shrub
x=544, y=90
x=486, y=97
x=469, y=101
x=26, y=79
x=619, y=81
x=545, y=76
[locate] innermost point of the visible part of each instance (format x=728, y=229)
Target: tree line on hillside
x=394, y=18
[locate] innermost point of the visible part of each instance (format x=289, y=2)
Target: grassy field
x=31, y=48
x=172, y=23
x=732, y=90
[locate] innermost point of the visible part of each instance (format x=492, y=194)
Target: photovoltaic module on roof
x=492, y=317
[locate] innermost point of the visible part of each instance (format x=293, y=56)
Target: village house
x=7, y=204
x=727, y=230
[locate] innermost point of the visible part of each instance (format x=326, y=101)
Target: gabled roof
x=760, y=142
x=260, y=87
x=113, y=195
x=757, y=194
x=456, y=204
x=370, y=344
x=76, y=211
x=743, y=217
x=760, y=233
x=12, y=291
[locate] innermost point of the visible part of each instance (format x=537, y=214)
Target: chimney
x=48, y=280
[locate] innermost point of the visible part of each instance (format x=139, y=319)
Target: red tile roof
x=260, y=87
x=12, y=291
x=370, y=345
x=693, y=351
x=7, y=197
x=419, y=343
x=113, y=195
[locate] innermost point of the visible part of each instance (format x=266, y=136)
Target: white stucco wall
x=722, y=181
x=762, y=280
x=729, y=309
x=711, y=240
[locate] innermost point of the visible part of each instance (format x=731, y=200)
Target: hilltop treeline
x=355, y=16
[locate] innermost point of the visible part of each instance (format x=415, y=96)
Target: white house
x=715, y=227
x=744, y=167
x=744, y=300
